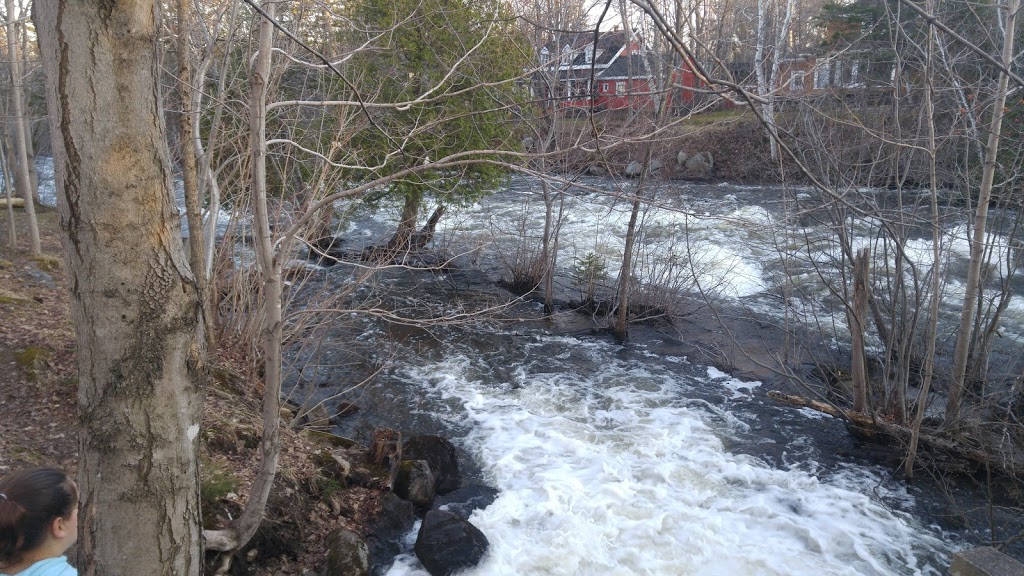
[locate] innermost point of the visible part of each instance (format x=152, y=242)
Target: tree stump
x=386, y=453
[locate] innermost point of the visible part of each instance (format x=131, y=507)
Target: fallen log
x=872, y=427
x=15, y=202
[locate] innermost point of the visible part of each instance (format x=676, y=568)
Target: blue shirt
x=48, y=567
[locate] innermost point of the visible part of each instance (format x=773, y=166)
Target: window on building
x=797, y=82
x=620, y=88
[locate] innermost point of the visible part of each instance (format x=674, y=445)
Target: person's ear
x=59, y=527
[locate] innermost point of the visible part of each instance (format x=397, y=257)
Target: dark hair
x=29, y=501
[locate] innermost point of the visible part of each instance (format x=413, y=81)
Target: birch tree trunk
x=963, y=334
x=134, y=300
x=23, y=181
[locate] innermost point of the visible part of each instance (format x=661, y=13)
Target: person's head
x=38, y=508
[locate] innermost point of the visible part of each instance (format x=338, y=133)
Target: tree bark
x=189, y=172
x=858, y=325
x=621, y=328
x=134, y=300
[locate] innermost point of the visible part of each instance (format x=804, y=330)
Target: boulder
x=528, y=143
x=681, y=158
x=656, y=165
x=347, y=555
x=633, y=169
x=447, y=544
x=316, y=416
x=440, y=455
x=466, y=500
x=415, y=483
x=395, y=520
x=700, y=164
x=984, y=561
x=596, y=170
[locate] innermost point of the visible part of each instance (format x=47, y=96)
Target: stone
x=415, y=483
x=596, y=170
x=633, y=169
x=984, y=561
x=700, y=164
x=347, y=555
x=681, y=158
x=39, y=277
x=447, y=544
x=396, y=517
x=440, y=455
x=466, y=500
x=316, y=416
x=528, y=143
x=395, y=520
x=656, y=165
x=345, y=409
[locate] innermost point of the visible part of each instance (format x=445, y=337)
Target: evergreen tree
x=455, y=60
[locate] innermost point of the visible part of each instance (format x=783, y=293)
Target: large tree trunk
x=23, y=180
x=134, y=300
x=406, y=224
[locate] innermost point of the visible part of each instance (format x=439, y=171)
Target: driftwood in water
x=870, y=427
x=386, y=452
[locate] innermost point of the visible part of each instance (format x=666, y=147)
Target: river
x=627, y=459
x=633, y=459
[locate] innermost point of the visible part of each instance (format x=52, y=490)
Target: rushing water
x=628, y=460
x=617, y=461
x=623, y=460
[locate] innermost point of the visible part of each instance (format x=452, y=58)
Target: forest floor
x=38, y=397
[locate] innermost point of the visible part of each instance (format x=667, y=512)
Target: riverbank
x=38, y=399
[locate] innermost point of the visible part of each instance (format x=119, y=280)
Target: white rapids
x=616, y=472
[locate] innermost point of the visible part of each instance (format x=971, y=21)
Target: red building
x=613, y=74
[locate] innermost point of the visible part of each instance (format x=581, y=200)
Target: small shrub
x=33, y=360
x=587, y=272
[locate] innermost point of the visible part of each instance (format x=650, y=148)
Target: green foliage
x=587, y=272
x=451, y=48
